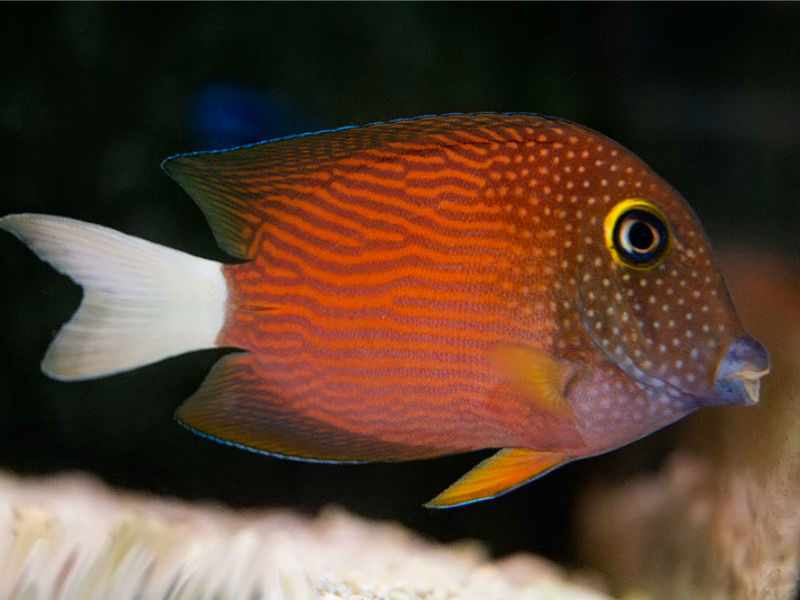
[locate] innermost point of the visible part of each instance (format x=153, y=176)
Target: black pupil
x=641, y=236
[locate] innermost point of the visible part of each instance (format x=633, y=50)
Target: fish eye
x=637, y=234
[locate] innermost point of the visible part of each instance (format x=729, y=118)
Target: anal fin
x=500, y=473
x=238, y=406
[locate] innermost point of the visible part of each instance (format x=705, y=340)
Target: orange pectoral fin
x=504, y=471
x=541, y=378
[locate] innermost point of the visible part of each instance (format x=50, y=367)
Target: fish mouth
x=739, y=371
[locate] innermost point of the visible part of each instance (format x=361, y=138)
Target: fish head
x=651, y=296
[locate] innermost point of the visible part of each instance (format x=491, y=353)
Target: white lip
x=741, y=368
x=749, y=382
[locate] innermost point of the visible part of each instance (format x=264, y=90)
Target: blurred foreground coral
x=70, y=538
x=722, y=519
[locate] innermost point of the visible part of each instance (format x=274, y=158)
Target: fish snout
x=740, y=370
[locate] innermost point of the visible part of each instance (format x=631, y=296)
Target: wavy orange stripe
x=321, y=233
x=413, y=345
x=473, y=313
x=459, y=256
x=351, y=205
x=424, y=211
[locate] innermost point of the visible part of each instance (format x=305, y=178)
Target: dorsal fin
x=231, y=185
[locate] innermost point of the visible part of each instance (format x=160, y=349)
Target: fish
x=417, y=288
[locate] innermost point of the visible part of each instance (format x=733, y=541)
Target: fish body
x=437, y=285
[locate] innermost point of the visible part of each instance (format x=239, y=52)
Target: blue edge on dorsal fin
x=345, y=127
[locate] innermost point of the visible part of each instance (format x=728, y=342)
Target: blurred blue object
x=223, y=115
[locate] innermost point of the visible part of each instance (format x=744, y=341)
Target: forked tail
x=142, y=302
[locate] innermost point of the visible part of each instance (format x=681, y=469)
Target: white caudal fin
x=141, y=302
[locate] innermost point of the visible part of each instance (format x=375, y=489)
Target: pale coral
x=71, y=538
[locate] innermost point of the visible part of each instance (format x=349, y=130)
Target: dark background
x=93, y=96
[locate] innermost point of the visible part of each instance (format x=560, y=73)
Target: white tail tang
x=142, y=302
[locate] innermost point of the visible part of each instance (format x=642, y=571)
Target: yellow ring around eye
x=610, y=223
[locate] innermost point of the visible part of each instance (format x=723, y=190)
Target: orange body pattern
x=449, y=283
x=379, y=283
